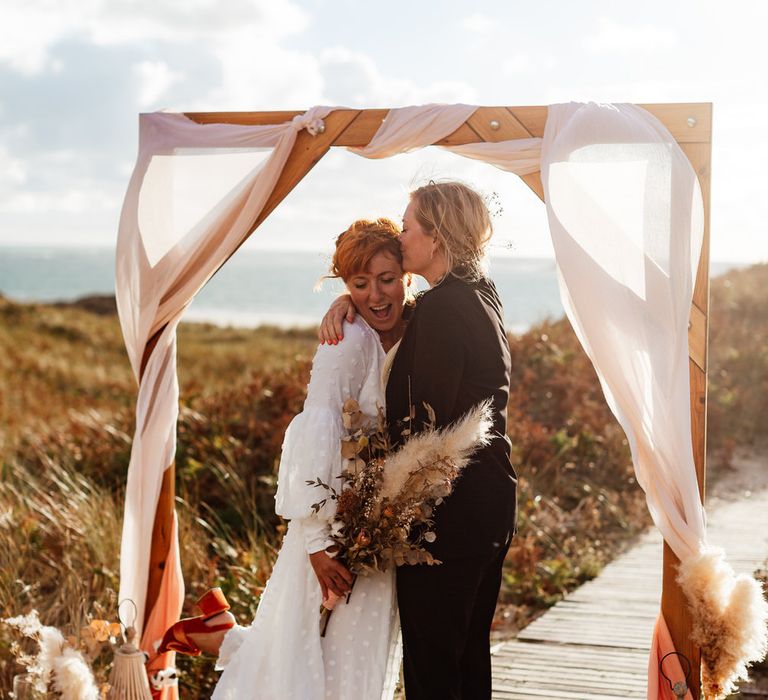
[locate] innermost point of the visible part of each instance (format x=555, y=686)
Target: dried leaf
x=349, y=449
x=100, y=630
x=350, y=406
x=430, y=413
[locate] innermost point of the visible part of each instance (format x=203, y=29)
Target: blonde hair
x=459, y=219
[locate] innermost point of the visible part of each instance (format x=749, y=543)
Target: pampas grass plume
x=56, y=664
x=51, y=643
x=730, y=619
x=456, y=442
x=72, y=677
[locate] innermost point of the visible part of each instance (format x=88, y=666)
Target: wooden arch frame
x=689, y=124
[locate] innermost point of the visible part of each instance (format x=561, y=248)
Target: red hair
x=364, y=239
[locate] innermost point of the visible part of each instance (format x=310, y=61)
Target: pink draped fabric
x=167, y=602
x=659, y=687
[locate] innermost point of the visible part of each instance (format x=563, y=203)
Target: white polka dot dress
x=281, y=656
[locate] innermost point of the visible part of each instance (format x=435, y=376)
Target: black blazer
x=453, y=355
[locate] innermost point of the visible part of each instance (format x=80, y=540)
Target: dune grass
x=66, y=421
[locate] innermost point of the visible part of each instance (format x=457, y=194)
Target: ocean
x=262, y=287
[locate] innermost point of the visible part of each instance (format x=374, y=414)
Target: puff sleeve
x=311, y=447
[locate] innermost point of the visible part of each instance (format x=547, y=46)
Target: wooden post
x=673, y=603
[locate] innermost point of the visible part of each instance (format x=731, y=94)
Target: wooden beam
x=674, y=116
x=534, y=182
x=245, y=118
x=364, y=124
x=494, y=124
x=361, y=129
x=532, y=118
x=700, y=155
x=464, y=134
x=306, y=153
x=697, y=337
x=688, y=122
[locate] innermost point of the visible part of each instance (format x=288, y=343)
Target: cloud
x=613, y=37
x=478, y=23
x=173, y=20
x=155, y=78
x=74, y=74
x=31, y=28
x=354, y=79
x=70, y=200
x=260, y=74
x=12, y=170
x=27, y=31
x=71, y=91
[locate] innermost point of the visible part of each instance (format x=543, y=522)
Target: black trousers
x=446, y=613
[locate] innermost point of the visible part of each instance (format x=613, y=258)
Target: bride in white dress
x=282, y=656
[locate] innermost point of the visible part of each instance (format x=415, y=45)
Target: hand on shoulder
x=331, y=329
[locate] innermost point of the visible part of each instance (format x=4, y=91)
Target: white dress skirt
x=281, y=655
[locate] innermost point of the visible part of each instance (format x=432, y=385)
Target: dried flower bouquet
x=385, y=504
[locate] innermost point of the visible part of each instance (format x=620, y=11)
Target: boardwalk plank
x=594, y=644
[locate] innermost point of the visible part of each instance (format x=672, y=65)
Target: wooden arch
x=689, y=124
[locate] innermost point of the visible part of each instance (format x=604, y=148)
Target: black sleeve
x=438, y=361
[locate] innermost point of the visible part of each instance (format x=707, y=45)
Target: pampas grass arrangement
x=57, y=666
x=730, y=620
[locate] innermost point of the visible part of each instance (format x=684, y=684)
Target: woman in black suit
x=453, y=355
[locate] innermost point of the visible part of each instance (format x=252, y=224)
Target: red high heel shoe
x=212, y=603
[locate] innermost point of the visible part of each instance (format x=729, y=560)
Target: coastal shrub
x=66, y=421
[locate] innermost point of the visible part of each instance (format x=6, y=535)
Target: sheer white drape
x=410, y=128
x=164, y=257
x=626, y=218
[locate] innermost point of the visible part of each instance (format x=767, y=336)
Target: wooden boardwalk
x=594, y=644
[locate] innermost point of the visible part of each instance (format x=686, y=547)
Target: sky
x=75, y=74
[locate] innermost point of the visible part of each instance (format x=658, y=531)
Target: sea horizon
x=265, y=287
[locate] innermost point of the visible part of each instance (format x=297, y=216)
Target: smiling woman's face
x=379, y=293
